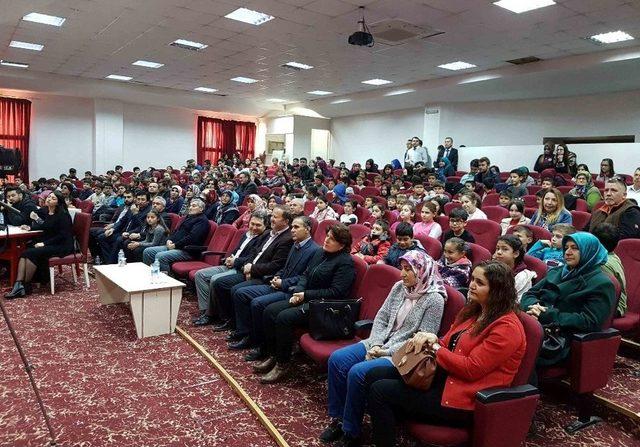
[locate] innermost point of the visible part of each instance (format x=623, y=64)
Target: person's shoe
x=197, y=317
x=28, y=288
x=234, y=336
x=255, y=354
x=347, y=441
x=224, y=326
x=265, y=366
x=278, y=373
x=204, y=320
x=243, y=343
x=18, y=291
x=333, y=432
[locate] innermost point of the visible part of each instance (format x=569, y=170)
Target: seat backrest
x=533, y=334
x=451, y=206
x=495, y=213
x=370, y=191
x=486, y=232
x=375, y=287
x=478, y=253
x=455, y=302
x=175, y=220
x=432, y=246
x=491, y=199
x=580, y=219
x=220, y=242
x=337, y=208
x=361, y=269
x=537, y=232
x=212, y=230
x=629, y=252
x=358, y=231
x=530, y=201
x=618, y=290
x=242, y=208
x=81, y=227
x=264, y=190
x=234, y=242
x=537, y=266
x=444, y=222
x=533, y=189
x=321, y=231
x=581, y=205
x=564, y=189
x=362, y=214
x=309, y=206
x=358, y=198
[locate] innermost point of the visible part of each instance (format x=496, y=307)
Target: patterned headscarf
x=260, y=204
x=426, y=271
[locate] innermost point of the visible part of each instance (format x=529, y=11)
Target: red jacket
x=490, y=359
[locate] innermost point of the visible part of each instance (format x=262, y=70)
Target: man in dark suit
x=22, y=203
x=447, y=150
x=246, y=187
x=271, y=256
x=249, y=302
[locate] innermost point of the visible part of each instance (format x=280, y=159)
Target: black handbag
x=554, y=343
x=333, y=319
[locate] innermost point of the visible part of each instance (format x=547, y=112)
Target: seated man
x=120, y=220
x=618, y=210
x=249, y=302
x=192, y=231
x=22, y=203
x=244, y=252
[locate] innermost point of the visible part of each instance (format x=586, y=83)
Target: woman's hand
x=39, y=245
x=34, y=216
x=296, y=298
x=374, y=352
x=535, y=310
x=420, y=338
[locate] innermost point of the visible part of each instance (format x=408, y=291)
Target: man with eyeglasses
x=618, y=210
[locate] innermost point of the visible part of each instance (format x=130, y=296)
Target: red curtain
x=15, y=121
x=217, y=137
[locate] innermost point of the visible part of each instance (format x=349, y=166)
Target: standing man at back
x=447, y=150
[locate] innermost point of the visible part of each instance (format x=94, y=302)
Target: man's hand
x=125, y=235
x=276, y=282
x=134, y=236
x=39, y=245
x=247, y=269
x=133, y=245
x=170, y=245
x=34, y=216
x=296, y=298
x=109, y=232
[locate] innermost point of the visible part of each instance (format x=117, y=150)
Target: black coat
x=25, y=206
x=328, y=276
x=453, y=156
x=192, y=231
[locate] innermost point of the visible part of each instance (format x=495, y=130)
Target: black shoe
x=347, y=441
x=255, y=354
x=224, y=326
x=18, y=291
x=200, y=314
x=333, y=432
x=204, y=320
x=234, y=336
x=243, y=343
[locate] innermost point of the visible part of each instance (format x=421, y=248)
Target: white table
x=154, y=306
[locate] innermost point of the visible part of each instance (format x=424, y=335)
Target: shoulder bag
x=333, y=319
x=417, y=369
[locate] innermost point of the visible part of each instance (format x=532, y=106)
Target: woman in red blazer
x=483, y=349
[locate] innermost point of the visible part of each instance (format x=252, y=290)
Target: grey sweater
x=153, y=238
x=424, y=316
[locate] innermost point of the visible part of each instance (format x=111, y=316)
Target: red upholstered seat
x=67, y=260
x=449, y=206
x=629, y=252
x=182, y=269
x=495, y=213
x=537, y=266
x=321, y=231
x=370, y=191
x=580, y=219
x=219, y=239
x=478, y=253
x=530, y=201
x=486, y=232
x=492, y=199
x=432, y=246
x=358, y=232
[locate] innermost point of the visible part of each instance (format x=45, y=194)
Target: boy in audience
x=473, y=170
x=394, y=190
x=550, y=252
x=517, y=189
x=505, y=199
x=98, y=196
x=87, y=191
x=470, y=185
x=392, y=204
x=457, y=223
x=539, y=195
x=368, y=203
x=524, y=234
x=373, y=248
x=432, y=178
x=404, y=243
x=418, y=195
x=437, y=192
x=348, y=217
x=547, y=183
x=609, y=236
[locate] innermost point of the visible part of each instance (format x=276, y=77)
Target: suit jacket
x=25, y=206
x=296, y=264
x=138, y=220
x=453, y=156
x=274, y=257
x=250, y=250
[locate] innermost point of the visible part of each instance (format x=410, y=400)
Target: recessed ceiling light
x=205, y=89
x=299, y=65
x=623, y=57
x=26, y=45
x=276, y=100
x=612, y=37
x=457, y=66
x=44, y=18
x=377, y=82
x=13, y=64
x=244, y=80
x=148, y=64
x=119, y=77
x=189, y=44
x=340, y=101
x=400, y=92
x=319, y=92
x=248, y=16
x=480, y=79
x=519, y=6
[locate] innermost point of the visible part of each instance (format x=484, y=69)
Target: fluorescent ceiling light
x=244, y=80
x=248, y=16
x=119, y=77
x=340, y=101
x=400, y=92
x=612, y=37
x=299, y=65
x=13, y=64
x=319, y=92
x=189, y=44
x=377, y=82
x=459, y=65
x=276, y=100
x=44, y=18
x=205, y=89
x=26, y=45
x=519, y=6
x=148, y=64
x=623, y=57
x=479, y=79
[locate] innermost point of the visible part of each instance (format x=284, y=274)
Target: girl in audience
x=392, y=206
x=551, y=210
x=154, y=234
x=483, y=349
x=414, y=304
x=370, y=166
x=578, y=297
x=387, y=173
x=580, y=167
x=428, y=226
x=385, y=191
x=516, y=216
x=544, y=161
x=377, y=181
x=407, y=214
x=254, y=203
x=471, y=204
x=454, y=265
x=348, y=217
x=585, y=189
x=378, y=210
x=373, y=248
x=509, y=250
x=560, y=159
x=606, y=170
x=323, y=211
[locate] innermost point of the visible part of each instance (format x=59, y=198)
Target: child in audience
x=471, y=204
x=524, y=234
x=394, y=190
x=418, y=195
x=404, y=243
x=454, y=265
x=323, y=211
x=539, y=195
x=516, y=216
x=517, y=189
x=392, y=204
x=373, y=248
x=509, y=251
x=470, y=185
x=368, y=203
x=428, y=226
x=471, y=175
x=407, y=214
x=432, y=178
x=457, y=223
x=401, y=199
x=377, y=211
x=609, y=237
x=437, y=192
x=504, y=199
x=547, y=183
x=348, y=217
x=551, y=251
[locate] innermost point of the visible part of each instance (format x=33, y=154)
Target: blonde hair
x=551, y=217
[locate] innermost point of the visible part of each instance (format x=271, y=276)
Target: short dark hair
x=320, y=177
x=306, y=221
x=458, y=244
x=458, y=213
x=523, y=229
x=142, y=192
x=342, y=235
x=484, y=160
x=516, y=244
x=262, y=215
x=505, y=193
x=404, y=229
x=13, y=188
x=474, y=163
x=517, y=171
x=119, y=167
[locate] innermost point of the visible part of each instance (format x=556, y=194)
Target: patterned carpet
x=104, y=387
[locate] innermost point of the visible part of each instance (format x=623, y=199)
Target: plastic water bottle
x=155, y=272
x=122, y=261
x=97, y=261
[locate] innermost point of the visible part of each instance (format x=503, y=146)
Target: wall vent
x=397, y=32
x=524, y=60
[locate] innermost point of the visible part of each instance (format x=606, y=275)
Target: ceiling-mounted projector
x=362, y=37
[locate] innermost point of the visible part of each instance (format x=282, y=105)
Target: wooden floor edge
x=253, y=406
x=617, y=407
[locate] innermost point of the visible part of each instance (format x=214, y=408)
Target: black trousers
x=224, y=288
x=280, y=320
x=391, y=399
x=94, y=234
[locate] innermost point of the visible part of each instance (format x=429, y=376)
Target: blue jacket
x=296, y=264
x=564, y=217
x=551, y=256
x=192, y=231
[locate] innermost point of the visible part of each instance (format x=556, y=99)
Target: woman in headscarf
x=577, y=297
x=444, y=169
x=340, y=191
x=585, y=189
x=193, y=191
x=254, y=203
x=371, y=166
x=545, y=160
x=414, y=304
x=324, y=167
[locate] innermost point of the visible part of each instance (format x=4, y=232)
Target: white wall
x=302, y=126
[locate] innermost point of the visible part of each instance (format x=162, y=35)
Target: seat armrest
x=492, y=395
x=591, y=336
x=195, y=248
x=363, y=325
x=207, y=253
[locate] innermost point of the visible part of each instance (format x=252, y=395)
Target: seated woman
x=329, y=275
x=483, y=349
x=577, y=297
x=585, y=190
x=153, y=234
x=254, y=203
x=606, y=170
x=509, y=250
x=323, y=211
x=373, y=248
x=516, y=216
x=551, y=210
x=414, y=304
x=428, y=226
x=193, y=191
x=56, y=240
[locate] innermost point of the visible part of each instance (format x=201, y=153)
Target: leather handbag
x=417, y=369
x=554, y=343
x=333, y=319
